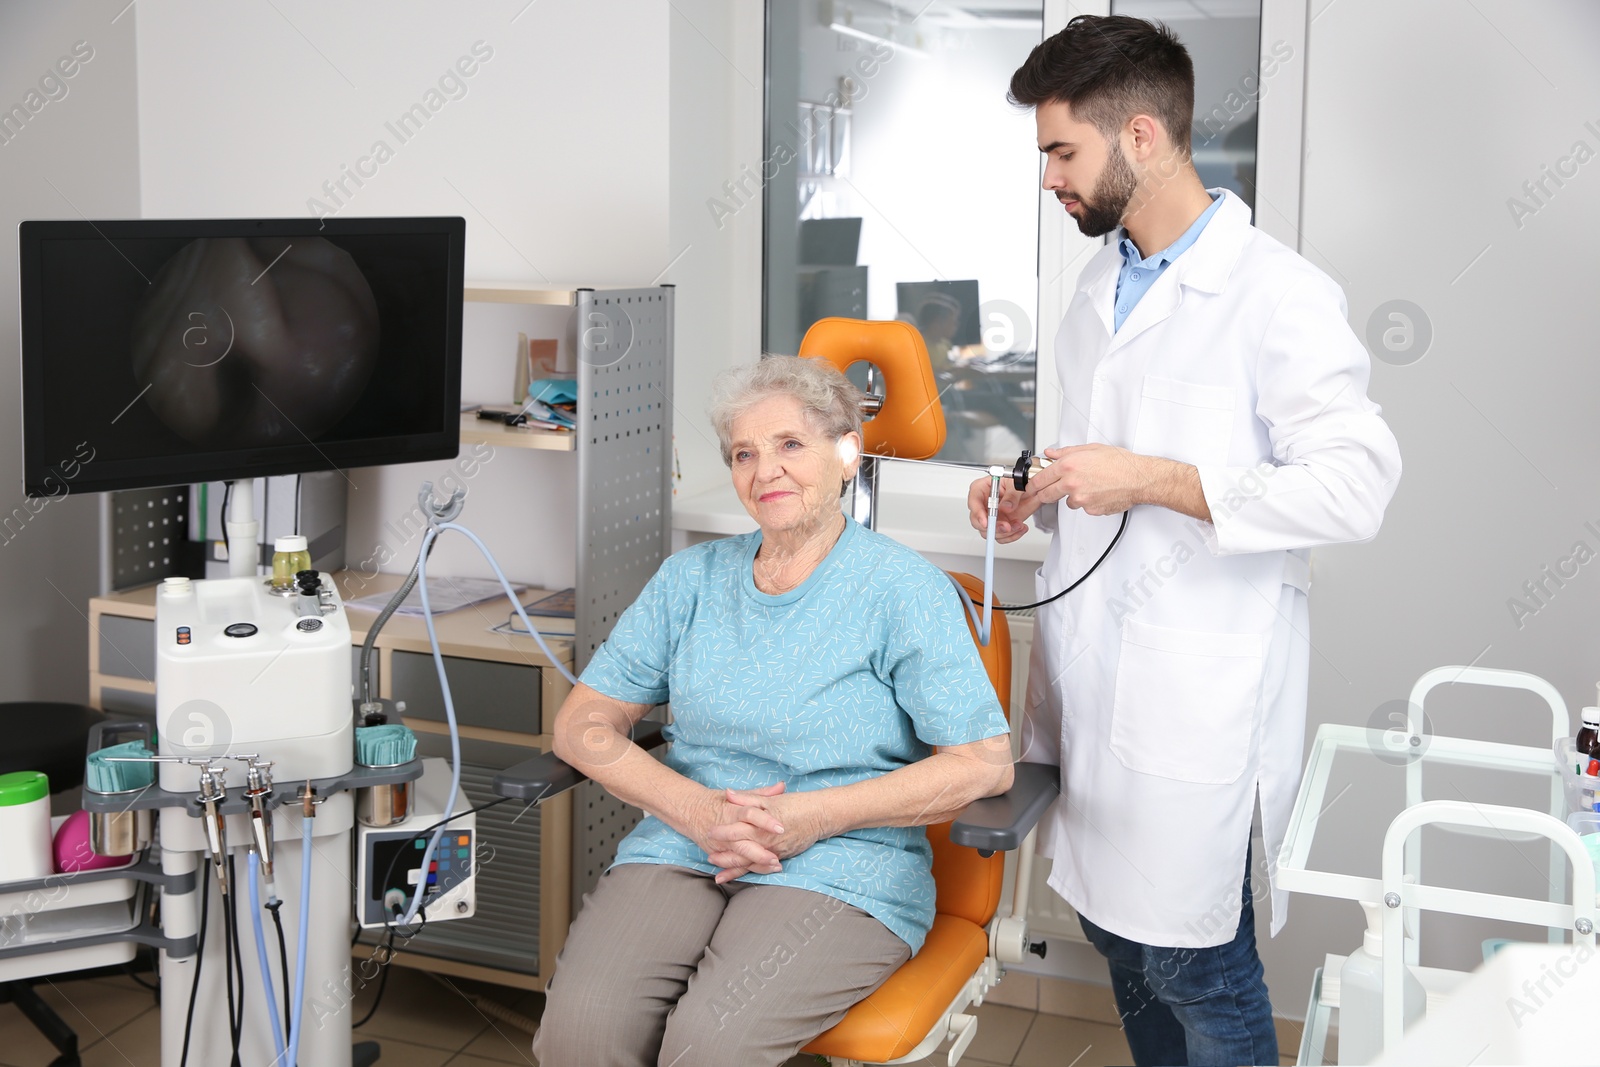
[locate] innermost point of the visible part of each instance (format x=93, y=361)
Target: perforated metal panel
x=624, y=431
x=148, y=526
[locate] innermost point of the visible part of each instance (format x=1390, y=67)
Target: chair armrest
x=998, y=824
x=546, y=776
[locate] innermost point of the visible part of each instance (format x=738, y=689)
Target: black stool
x=49, y=737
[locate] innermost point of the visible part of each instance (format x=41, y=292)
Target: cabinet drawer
x=127, y=647
x=497, y=696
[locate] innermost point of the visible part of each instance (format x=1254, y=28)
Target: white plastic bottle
x=25, y=835
x=1361, y=995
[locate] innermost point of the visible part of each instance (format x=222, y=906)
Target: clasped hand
x=754, y=830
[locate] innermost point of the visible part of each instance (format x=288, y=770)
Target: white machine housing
x=240, y=670
x=279, y=690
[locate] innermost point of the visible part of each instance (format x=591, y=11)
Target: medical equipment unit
x=258, y=794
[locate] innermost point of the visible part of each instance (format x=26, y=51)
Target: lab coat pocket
x=1184, y=421
x=1185, y=702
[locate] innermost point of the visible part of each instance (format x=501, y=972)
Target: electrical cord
x=227, y=958
x=128, y=969
x=237, y=1031
x=283, y=959
x=199, y=959
x=383, y=980
x=227, y=494
x=422, y=878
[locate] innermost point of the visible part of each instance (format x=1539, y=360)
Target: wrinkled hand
x=743, y=852
x=778, y=824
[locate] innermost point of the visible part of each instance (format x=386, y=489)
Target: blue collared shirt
x=1138, y=275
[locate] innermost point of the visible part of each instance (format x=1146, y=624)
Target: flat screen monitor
x=949, y=308
x=166, y=351
x=830, y=242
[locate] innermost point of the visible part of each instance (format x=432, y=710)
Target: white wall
x=556, y=153
x=76, y=154
x=1422, y=119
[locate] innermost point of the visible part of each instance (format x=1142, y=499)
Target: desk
x=524, y=887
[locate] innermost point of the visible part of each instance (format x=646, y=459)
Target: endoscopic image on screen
x=237, y=343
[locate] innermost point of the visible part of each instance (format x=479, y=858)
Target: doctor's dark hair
x=1109, y=68
x=832, y=404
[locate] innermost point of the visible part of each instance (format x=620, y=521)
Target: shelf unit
x=475, y=431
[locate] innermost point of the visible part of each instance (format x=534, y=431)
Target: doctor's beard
x=1113, y=191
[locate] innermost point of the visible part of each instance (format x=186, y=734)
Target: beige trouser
x=664, y=966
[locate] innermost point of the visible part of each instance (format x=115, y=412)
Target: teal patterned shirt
x=854, y=673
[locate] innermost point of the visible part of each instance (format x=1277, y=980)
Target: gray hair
x=832, y=405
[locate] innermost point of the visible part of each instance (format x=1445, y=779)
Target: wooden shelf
x=513, y=293
x=482, y=431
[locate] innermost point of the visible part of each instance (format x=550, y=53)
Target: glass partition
x=900, y=184
x=1224, y=41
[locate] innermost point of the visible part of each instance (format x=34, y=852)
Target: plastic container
x=290, y=556
x=26, y=836
x=1583, y=790
x=1361, y=994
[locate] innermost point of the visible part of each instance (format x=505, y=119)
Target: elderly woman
x=827, y=703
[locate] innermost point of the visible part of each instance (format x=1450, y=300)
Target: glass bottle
x=290, y=556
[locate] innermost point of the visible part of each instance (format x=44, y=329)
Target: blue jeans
x=1198, y=1006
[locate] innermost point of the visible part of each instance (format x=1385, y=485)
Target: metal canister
x=120, y=833
x=383, y=805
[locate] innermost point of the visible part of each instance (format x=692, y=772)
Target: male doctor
x=1212, y=388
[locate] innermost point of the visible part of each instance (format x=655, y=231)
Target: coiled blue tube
x=261, y=956
x=305, y=929
x=444, y=687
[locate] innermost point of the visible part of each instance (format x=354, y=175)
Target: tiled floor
x=423, y=1023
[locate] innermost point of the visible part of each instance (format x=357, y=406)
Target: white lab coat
x=1171, y=686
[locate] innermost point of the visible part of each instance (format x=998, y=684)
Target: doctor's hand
x=1009, y=524
x=756, y=812
x=1099, y=479
x=1106, y=480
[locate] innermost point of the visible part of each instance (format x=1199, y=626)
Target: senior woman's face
x=786, y=473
